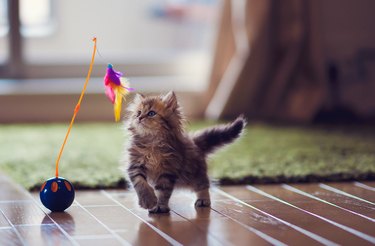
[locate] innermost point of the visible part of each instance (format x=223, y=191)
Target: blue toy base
x=57, y=194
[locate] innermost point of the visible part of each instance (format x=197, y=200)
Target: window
x=3, y=32
x=143, y=38
x=36, y=18
x=45, y=49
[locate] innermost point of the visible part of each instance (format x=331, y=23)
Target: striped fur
x=162, y=156
x=213, y=138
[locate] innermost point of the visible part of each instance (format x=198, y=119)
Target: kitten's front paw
x=148, y=199
x=203, y=203
x=159, y=209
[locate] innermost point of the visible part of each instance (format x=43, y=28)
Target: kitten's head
x=155, y=115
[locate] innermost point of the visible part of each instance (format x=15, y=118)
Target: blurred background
x=279, y=61
x=302, y=71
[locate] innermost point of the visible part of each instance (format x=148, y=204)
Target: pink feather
x=110, y=93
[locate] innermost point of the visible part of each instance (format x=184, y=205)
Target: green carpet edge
x=247, y=180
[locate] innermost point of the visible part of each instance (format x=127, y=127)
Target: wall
x=348, y=42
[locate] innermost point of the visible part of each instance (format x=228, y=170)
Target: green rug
x=265, y=154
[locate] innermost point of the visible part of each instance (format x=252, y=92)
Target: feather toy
x=116, y=88
x=57, y=193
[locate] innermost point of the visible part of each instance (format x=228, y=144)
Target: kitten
x=162, y=156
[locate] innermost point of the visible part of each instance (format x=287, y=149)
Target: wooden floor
x=309, y=214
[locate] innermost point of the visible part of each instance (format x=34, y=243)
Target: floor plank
x=24, y=213
x=93, y=198
x=365, y=185
x=8, y=237
x=345, y=202
x=238, y=217
x=297, y=217
x=110, y=241
x=351, y=189
x=325, y=213
x=47, y=234
x=368, y=183
x=127, y=226
x=10, y=191
x=3, y=221
x=177, y=227
x=258, y=220
x=212, y=222
x=77, y=222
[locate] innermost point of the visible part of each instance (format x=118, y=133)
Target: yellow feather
x=120, y=94
x=117, y=105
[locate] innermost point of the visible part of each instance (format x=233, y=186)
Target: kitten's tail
x=213, y=138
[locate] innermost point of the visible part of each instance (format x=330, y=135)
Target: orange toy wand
x=76, y=108
x=57, y=193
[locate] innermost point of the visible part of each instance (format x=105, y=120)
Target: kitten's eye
x=151, y=113
x=138, y=113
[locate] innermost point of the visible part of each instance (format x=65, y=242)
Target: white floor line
x=359, y=234
x=32, y=225
x=5, y=228
x=364, y=186
x=120, y=230
x=161, y=233
x=120, y=239
x=87, y=237
x=213, y=236
x=293, y=189
x=330, y=188
x=55, y=223
x=100, y=206
x=14, y=228
x=262, y=235
x=255, y=231
x=307, y=233
x=16, y=201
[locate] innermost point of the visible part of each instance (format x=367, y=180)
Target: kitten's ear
x=138, y=98
x=170, y=100
x=135, y=103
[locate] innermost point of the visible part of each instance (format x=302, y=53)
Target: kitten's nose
x=140, y=119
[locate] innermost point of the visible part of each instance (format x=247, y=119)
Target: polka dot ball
x=57, y=194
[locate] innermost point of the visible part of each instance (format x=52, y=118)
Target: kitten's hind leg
x=203, y=198
x=164, y=188
x=201, y=184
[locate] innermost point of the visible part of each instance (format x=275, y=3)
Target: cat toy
x=57, y=193
x=116, y=89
